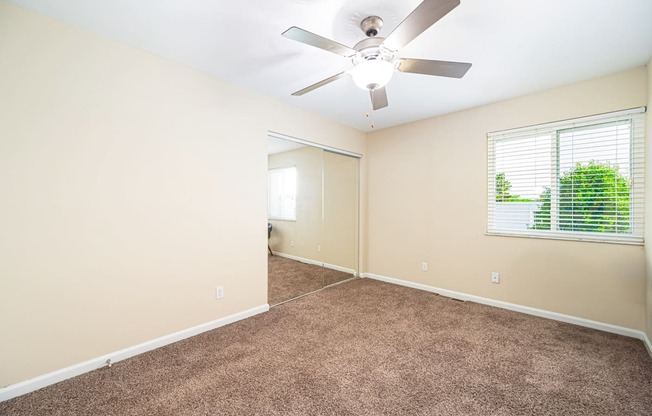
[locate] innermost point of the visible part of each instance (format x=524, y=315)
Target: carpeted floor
x=369, y=348
x=289, y=279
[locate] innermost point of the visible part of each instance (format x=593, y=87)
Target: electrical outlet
x=495, y=277
x=424, y=266
x=292, y=243
x=219, y=292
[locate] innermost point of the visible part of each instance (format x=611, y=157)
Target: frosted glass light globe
x=372, y=74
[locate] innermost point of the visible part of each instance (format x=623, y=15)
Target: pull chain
x=372, y=123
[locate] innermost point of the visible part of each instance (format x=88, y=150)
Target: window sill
x=584, y=239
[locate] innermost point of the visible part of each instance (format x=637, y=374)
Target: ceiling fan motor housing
x=372, y=48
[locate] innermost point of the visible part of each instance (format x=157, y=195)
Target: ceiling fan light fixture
x=372, y=74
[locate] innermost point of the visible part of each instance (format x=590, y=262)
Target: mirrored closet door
x=312, y=218
x=340, y=235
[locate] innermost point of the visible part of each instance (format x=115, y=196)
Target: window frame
x=636, y=117
x=282, y=217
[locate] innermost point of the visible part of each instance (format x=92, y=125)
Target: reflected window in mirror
x=282, y=194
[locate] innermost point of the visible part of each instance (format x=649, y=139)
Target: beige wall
x=306, y=233
x=340, y=211
x=648, y=201
x=130, y=188
x=427, y=196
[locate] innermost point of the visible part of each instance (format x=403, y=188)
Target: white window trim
x=637, y=187
x=288, y=217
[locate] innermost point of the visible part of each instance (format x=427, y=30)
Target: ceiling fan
x=374, y=57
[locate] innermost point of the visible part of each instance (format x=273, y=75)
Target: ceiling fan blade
x=317, y=41
x=378, y=98
x=319, y=84
x=425, y=15
x=438, y=68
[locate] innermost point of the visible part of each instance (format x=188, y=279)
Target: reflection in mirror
x=295, y=267
x=313, y=213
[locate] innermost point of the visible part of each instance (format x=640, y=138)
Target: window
x=578, y=179
x=282, y=194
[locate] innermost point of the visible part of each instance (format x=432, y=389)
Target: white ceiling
x=516, y=46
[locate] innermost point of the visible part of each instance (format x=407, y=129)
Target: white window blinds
x=578, y=179
x=282, y=194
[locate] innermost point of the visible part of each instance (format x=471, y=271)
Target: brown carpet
x=289, y=279
x=369, y=348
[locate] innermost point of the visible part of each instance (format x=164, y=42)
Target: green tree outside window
x=592, y=198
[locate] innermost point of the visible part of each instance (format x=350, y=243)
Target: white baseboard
x=316, y=263
x=614, y=329
x=648, y=344
x=297, y=258
x=45, y=380
x=340, y=268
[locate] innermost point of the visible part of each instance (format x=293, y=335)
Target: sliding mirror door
x=295, y=214
x=340, y=247
x=313, y=213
